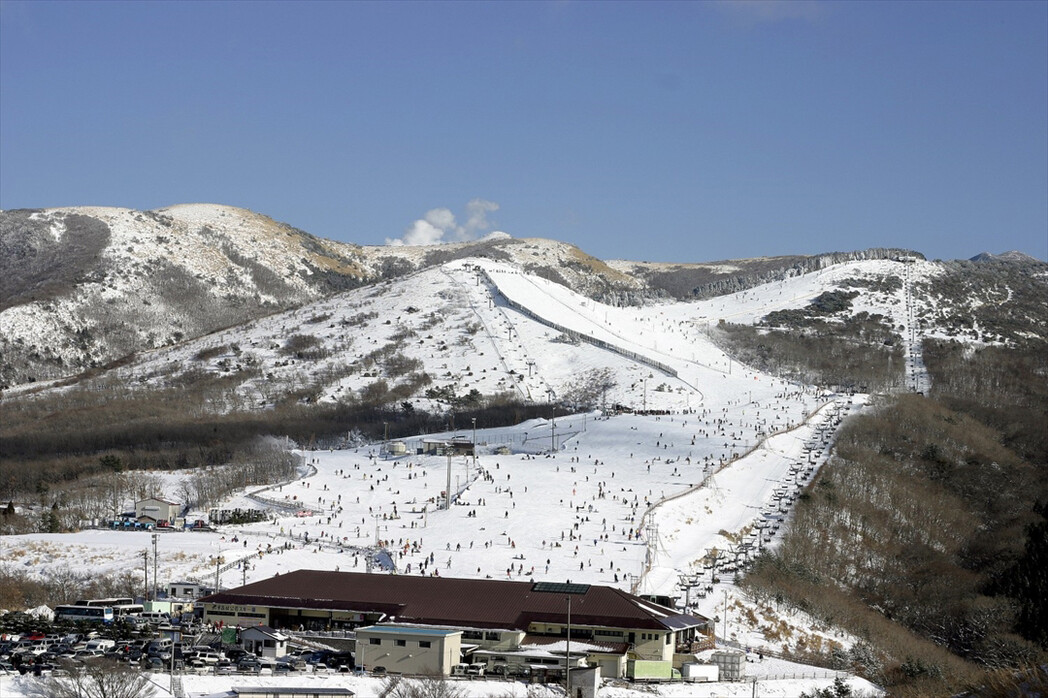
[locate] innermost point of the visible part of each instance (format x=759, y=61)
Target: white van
x=156, y=617
x=100, y=644
x=162, y=644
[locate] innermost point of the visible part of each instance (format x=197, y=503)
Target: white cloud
x=439, y=225
x=441, y=218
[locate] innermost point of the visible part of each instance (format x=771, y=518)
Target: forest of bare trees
x=924, y=535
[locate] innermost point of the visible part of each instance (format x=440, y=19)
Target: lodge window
x=375, y=640
x=400, y=643
x=423, y=643
x=491, y=636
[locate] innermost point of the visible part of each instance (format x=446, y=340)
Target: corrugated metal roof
x=482, y=603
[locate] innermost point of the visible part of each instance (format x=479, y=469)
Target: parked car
x=153, y=663
x=83, y=655
x=340, y=661
x=235, y=653
x=249, y=663
x=292, y=661
x=256, y=664
x=206, y=657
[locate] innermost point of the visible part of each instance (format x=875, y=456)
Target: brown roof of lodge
x=483, y=603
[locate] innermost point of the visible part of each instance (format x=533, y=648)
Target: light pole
x=218, y=572
x=552, y=422
x=474, y=442
x=567, y=654
x=154, y=566
x=447, y=492
x=725, y=615
x=145, y=572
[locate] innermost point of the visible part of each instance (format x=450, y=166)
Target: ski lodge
x=507, y=623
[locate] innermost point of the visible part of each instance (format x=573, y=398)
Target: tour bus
x=122, y=611
x=122, y=606
x=116, y=601
x=90, y=614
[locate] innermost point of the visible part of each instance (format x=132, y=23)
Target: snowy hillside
x=83, y=286
x=436, y=335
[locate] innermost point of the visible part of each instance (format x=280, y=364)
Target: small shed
x=584, y=682
x=188, y=590
x=263, y=641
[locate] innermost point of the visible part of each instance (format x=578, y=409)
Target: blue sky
x=677, y=132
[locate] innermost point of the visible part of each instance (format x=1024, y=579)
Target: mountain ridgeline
x=81, y=288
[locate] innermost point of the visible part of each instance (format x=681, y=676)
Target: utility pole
x=447, y=492
x=725, y=615
x=567, y=655
x=145, y=570
x=474, y=444
x=154, y=566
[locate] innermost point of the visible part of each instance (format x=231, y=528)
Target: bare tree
x=589, y=389
x=427, y=687
x=99, y=678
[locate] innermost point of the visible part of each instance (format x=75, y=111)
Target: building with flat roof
x=400, y=649
x=491, y=614
x=291, y=692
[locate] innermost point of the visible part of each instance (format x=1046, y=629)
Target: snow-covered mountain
x=84, y=287
x=477, y=327
x=81, y=287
